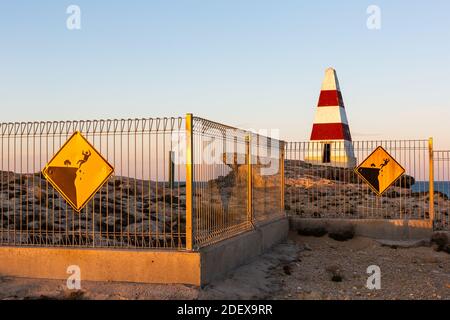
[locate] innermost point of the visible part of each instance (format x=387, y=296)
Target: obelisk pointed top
x=331, y=81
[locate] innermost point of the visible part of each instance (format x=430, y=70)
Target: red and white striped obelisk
x=331, y=141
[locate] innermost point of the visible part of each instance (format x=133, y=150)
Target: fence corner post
x=248, y=151
x=282, y=157
x=189, y=182
x=431, y=181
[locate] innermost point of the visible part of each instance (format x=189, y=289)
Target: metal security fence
x=267, y=172
x=136, y=208
x=220, y=180
x=237, y=180
x=179, y=183
x=441, y=190
x=328, y=187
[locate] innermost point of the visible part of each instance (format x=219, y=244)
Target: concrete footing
x=224, y=256
x=146, y=266
x=372, y=228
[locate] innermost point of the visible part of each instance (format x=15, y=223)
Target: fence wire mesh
x=145, y=203
x=326, y=186
x=267, y=177
x=441, y=189
x=237, y=180
x=135, y=208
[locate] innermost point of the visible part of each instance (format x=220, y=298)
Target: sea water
x=423, y=186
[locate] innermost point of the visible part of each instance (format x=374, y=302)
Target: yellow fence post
x=248, y=151
x=282, y=156
x=189, y=181
x=431, y=180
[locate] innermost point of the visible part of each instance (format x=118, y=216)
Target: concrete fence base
x=146, y=266
x=372, y=228
x=224, y=256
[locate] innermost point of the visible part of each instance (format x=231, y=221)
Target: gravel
x=302, y=268
x=412, y=272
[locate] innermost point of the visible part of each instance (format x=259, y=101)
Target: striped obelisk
x=331, y=141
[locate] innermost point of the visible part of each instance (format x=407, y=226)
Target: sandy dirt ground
x=301, y=268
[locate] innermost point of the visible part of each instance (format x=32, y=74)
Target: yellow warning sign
x=380, y=170
x=77, y=171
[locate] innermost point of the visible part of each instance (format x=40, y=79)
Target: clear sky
x=252, y=63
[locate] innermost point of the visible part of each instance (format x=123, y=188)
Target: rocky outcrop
x=124, y=212
x=301, y=168
x=327, y=192
x=142, y=213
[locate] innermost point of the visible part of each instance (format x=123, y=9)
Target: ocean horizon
x=423, y=186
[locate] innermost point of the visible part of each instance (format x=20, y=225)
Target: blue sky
x=255, y=64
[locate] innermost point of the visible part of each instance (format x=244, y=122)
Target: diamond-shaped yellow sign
x=380, y=170
x=77, y=171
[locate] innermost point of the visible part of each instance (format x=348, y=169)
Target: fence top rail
x=216, y=124
x=209, y=124
x=90, y=126
x=441, y=155
x=363, y=141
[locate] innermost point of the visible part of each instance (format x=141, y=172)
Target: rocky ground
x=313, y=191
x=127, y=212
x=406, y=273
x=302, y=268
